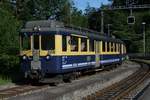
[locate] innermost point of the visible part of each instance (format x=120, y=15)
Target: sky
x=82, y=4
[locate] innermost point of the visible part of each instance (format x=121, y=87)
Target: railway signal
x=131, y=20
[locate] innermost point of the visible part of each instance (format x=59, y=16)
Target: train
x=52, y=50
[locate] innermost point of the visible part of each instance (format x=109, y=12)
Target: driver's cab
x=32, y=44
x=34, y=47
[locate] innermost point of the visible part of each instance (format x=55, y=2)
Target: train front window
x=25, y=42
x=36, y=42
x=48, y=42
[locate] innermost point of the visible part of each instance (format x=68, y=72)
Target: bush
x=9, y=64
x=9, y=44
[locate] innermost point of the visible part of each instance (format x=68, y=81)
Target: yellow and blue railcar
x=48, y=48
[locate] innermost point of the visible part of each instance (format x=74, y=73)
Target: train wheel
x=67, y=78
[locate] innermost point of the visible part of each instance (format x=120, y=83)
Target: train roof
x=51, y=26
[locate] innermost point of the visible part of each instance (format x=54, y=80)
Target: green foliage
x=9, y=44
x=41, y=9
x=148, y=41
x=78, y=19
x=5, y=4
x=61, y=10
x=4, y=81
x=8, y=63
x=9, y=28
x=131, y=34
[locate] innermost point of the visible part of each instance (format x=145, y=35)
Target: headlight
x=24, y=57
x=47, y=57
x=37, y=28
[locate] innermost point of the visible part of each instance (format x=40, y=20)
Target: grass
x=4, y=81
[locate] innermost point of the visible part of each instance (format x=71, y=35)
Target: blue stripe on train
x=61, y=64
x=67, y=66
x=70, y=63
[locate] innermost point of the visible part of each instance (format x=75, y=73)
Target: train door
x=97, y=57
x=36, y=64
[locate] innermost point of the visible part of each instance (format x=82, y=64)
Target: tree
x=120, y=28
x=9, y=44
x=37, y=9
x=77, y=18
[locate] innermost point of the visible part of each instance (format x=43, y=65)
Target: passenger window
x=108, y=47
x=104, y=46
x=64, y=43
x=115, y=47
x=48, y=42
x=74, y=43
x=91, y=45
x=83, y=44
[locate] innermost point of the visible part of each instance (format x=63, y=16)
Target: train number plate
x=35, y=65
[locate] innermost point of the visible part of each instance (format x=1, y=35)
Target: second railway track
x=121, y=89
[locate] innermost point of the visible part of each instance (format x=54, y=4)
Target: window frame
x=65, y=43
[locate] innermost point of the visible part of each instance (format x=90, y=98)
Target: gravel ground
x=146, y=94
x=9, y=85
x=82, y=87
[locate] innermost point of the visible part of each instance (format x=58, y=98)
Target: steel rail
x=121, y=89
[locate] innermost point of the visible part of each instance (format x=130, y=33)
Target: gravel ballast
x=82, y=87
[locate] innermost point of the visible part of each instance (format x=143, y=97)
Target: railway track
x=121, y=89
x=106, y=94
x=19, y=90
x=25, y=89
